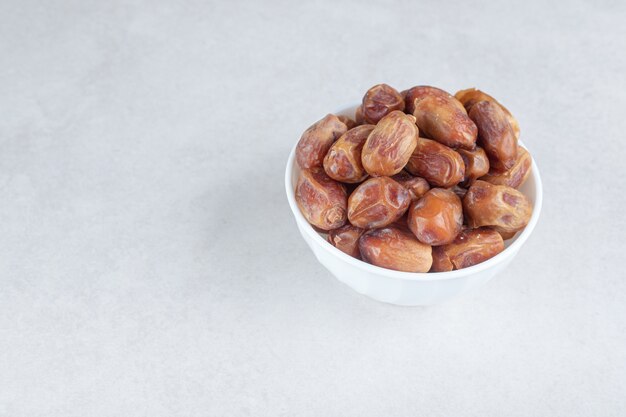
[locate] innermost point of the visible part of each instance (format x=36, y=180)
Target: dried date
x=377, y=202
x=476, y=164
x=317, y=140
x=343, y=160
x=437, y=217
x=472, y=96
x=495, y=135
x=470, y=247
x=390, y=145
x=394, y=248
x=499, y=206
x=515, y=176
x=416, y=186
x=441, y=117
x=322, y=200
x=379, y=101
x=346, y=239
x=438, y=164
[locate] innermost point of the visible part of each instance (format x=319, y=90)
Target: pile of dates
x=418, y=181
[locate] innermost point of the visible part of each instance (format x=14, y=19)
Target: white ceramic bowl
x=408, y=288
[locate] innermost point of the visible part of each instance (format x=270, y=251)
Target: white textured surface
x=149, y=264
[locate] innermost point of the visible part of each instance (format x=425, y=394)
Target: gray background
x=150, y=265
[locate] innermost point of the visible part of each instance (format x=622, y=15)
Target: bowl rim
x=511, y=250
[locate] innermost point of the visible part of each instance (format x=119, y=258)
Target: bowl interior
x=531, y=189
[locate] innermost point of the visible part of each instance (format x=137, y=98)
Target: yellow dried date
x=343, y=160
x=472, y=96
x=495, y=135
x=416, y=186
x=317, y=140
x=322, y=200
x=394, y=248
x=377, y=202
x=499, y=206
x=390, y=145
x=469, y=248
x=437, y=217
x=476, y=164
x=438, y=164
x=346, y=239
x=379, y=101
x=441, y=117
x=515, y=176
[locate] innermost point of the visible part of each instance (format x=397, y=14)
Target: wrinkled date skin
x=471, y=247
x=517, y=175
x=476, y=164
x=423, y=90
x=377, y=202
x=390, y=145
x=495, y=135
x=438, y=164
x=441, y=117
x=396, y=249
x=317, y=140
x=322, y=200
x=379, y=101
x=346, y=239
x=343, y=160
x=350, y=124
x=499, y=206
x=472, y=96
x=416, y=186
x=436, y=218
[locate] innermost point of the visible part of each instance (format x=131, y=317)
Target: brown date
x=459, y=191
x=379, y=101
x=438, y=164
x=358, y=116
x=472, y=96
x=495, y=135
x=346, y=239
x=390, y=145
x=422, y=90
x=396, y=249
x=343, y=160
x=402, y=223
x=350, y=124
x=507, y=235
x=516, y=175
x=441, y=117
x=441, y=263
x=377, y=202
x=437, y=217
x=416, y=186
x=476, y=164
x=317, y=140
x=471, y=247
x=499, y=206
x=322, y=200
x=403, y=95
